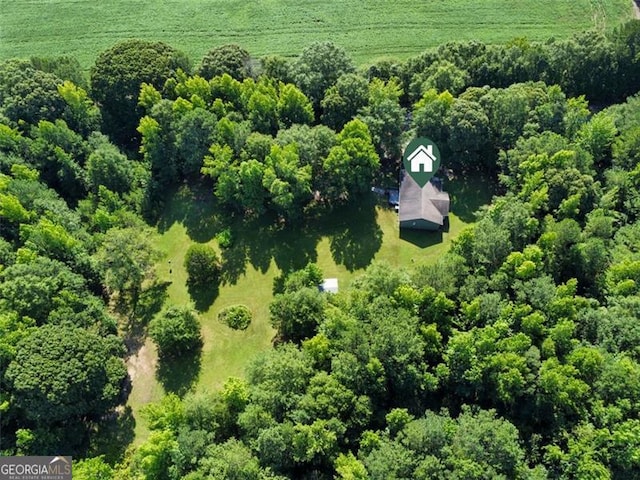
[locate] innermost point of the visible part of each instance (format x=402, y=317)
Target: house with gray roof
x=425, y=208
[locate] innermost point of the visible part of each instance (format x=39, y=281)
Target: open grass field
x=342, y=244
x=368, y=29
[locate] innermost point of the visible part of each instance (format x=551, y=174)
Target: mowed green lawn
x=368, y=29
x=343, y=244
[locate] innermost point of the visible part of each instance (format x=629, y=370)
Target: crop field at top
x=367, y=29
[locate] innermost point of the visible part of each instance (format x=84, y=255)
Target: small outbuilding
x=423, y=208
x=329, y=285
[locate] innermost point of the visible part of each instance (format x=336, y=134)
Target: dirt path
x=141, y=367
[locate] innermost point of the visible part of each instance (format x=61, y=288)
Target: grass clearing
x=343, y=244
x=368, y=29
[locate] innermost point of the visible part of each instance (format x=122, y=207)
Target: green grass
x=343, y=244
x=368, y=29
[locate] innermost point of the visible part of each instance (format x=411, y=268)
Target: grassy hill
x=342, y=244
x=368, y=29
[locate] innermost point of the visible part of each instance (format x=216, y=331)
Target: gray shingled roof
x=427, y=203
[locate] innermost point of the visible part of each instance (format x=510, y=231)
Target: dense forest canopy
x=516, y=355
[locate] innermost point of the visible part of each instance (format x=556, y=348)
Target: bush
x=237, y=317
x=202, y=264
x=225, y=238
x=175, y=330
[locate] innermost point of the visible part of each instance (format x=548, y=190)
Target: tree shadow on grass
x=149, y=304
x=112, y=436
x=203, y=296
x=353, y=231
x=421, y=238
x=198, y=210
x=354, y=234
x=259, y=241
x=179, y=374
x=468, y=194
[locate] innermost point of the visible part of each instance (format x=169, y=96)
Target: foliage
x=514, y=356
x=65, y=375
x=126, y=258
x=118, y=74
x=202, y=264
x=237, y=317
x=318, y=67
x=175, y=330
x=231, y=59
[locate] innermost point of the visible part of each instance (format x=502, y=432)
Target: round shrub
x=175, y=330
x=202, y=265
x=237, y=317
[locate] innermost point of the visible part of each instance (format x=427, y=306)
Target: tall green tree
x=351, y=165
x=65, y=374
x=231, y=59
x=318, y=67
x=126, y=259
x=176, y=331
x=118, y=74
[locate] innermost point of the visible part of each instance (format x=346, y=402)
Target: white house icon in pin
x=422, y=159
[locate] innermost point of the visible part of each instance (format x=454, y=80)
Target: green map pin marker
x=421, y=160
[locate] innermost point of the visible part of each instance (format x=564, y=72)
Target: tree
x=430, y=116
x=344, y=100
x=92, y=469
x=296, y=315
x=468, y=135
x=28, y=94
x=313, y=145
x=126, y=258
x=37, y=288
x=231, y=59
x=65, y=67
x=157, y=458
x=318, y=67
x=441, y=75
x=276, y=67
x=351, y=164
x=195, y=132
x=175, y=330
x=65, y=374
x=384, y=117
x=293, y=107
x=597, y=136
x=202, y=265
x=117, y=76
x=59, y=154
x=109, y=168
x=288, y=182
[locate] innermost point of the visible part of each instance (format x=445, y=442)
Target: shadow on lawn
x=179, y=374
x=198, y=210
x=355, y=237
x=421, y=238
x=203, y=296
x=353, y=233
x=149, y=303
x=468, y=194
x=113, y=435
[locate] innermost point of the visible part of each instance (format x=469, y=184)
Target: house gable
x=423, y=208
